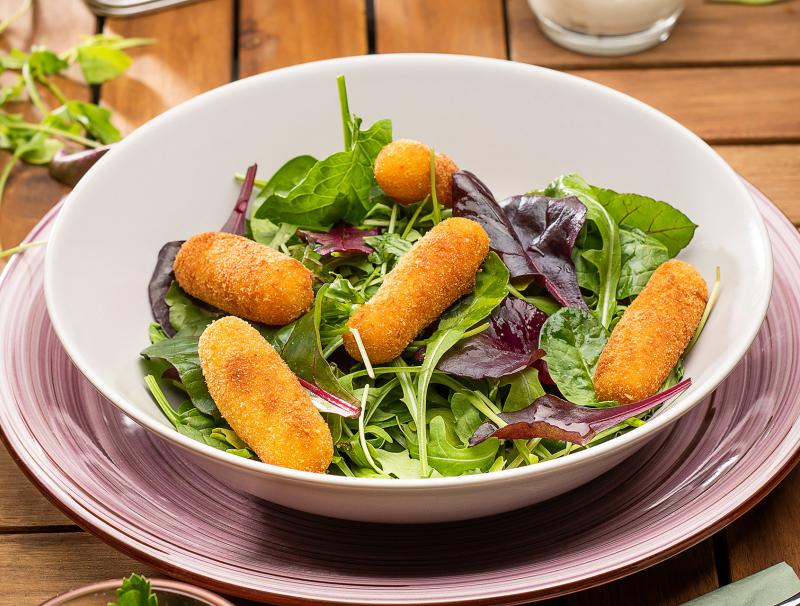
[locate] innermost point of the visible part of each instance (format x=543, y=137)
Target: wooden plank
x=681, y=578
x=470, y=27
x=774, y=169
x=768, y=534
x=722, y=105
x=35, y=567
x=29, y=192
x=707, y=34
x=21, y=505
x=171, y=71
x=276, y=33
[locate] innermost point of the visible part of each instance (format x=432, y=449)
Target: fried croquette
x=652, y=334
x=403, y=170
x=244, y=278
x=438, y=269
x=261, y=398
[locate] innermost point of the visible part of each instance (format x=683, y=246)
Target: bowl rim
x=211, y=599
x=677, y=407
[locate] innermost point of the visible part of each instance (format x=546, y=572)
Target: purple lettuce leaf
x=161, y=280
x=473, y=200
x=510, y=344
x=69, y=168
x=235, y=223
x=556, y=419
x=341, y=238
x=533, y=235
x=547, y=229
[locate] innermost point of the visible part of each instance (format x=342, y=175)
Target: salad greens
x=135, y=591
x=503, y=378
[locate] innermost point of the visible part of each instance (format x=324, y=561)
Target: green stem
x=347, y=120
x=437, y=216
x=332, y=346
x=260, y=183
x=9, y=21
x=413, y=219
x=53, y=88
x=161, y=400
x=5, y=174
x=30, y=86
x=56, y=132
x=18, y=249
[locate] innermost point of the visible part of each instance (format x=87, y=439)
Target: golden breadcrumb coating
x=438, y=269
x=403, y=170
x=261, y=398
x=244, y=278
x=652, y=334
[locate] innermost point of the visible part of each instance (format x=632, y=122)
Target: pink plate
x=141, y=495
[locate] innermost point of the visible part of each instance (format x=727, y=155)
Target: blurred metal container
x=128, y=8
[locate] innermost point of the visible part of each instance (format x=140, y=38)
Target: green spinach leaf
x=641, y=256
x=573, y=340
x=334, y=189
x=181, y=352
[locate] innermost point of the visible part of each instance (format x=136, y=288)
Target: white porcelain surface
x=516, y=126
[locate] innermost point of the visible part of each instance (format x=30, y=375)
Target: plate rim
x=678, y=407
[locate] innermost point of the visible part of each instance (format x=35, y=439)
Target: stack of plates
x=146, y=498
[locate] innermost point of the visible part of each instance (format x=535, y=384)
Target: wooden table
x=729, y=73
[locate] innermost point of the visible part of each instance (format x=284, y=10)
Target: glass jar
x=607, y=27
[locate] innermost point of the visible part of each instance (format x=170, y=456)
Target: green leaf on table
x=39, y=149
x=12, y=91
x=135, y=591
x=14, y=59
x=95, y=120
x=43, y=62
x=181, y=353
x=573, y=340
x=334, y=189
x=102, y=63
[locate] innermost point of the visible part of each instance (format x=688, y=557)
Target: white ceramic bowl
x=514, y=125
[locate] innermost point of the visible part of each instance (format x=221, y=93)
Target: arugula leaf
x=102, y=58
x=43, y=62
x=181, y=353
x=399, y=464
x=467, y=418
x=573, y=340
x=448, y=455
x=608, y=259
x=266, y=232
x=95, y=120
x=135, y=591
x=388, y=248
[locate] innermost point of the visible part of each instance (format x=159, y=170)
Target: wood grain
x=276, y=33
x=774, y=169
x=470, y=27
x=30, y=193
x=35, y=567
x=768, y=534
x=706, y=34
x=21, y=505
x=681, y=578
x=732, y=105
x=194, y=53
